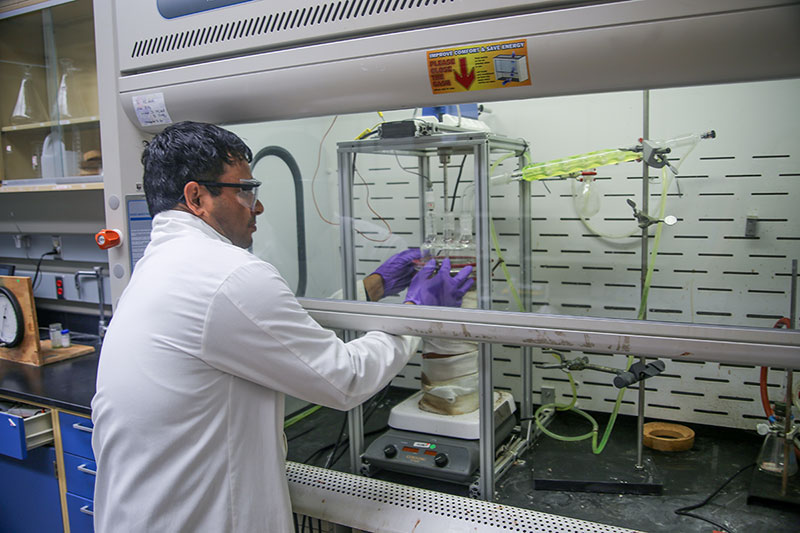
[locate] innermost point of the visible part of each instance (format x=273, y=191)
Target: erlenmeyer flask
x=28, y=107
x=771, y=458
x=69, y=102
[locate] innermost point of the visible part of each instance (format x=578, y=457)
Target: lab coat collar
x=172, y=223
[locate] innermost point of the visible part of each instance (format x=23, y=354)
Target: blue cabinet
x=80, y=470
x=81, y=514
x=29, y=496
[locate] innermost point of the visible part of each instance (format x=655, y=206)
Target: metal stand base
x=765, y=489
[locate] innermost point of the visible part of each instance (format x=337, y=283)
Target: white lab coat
x=188, y=414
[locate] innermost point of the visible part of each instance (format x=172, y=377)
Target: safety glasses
x=247, y=194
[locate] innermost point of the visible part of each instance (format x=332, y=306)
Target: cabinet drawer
x=80, y=473
x=23, y=428
x=81, y=514
x=76, y=434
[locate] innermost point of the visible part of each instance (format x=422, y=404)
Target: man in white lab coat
x=205, y=342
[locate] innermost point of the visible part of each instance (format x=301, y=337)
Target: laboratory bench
x=54, y=503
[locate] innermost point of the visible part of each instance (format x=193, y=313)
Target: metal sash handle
x=85, y=510
x=80, y=427
x=82, y=468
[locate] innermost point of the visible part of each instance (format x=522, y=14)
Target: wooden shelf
x=50, y=123
x=10, y=187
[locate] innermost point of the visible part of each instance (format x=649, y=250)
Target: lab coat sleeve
x=256, y=330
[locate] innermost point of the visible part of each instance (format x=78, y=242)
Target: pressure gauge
x=12, y=325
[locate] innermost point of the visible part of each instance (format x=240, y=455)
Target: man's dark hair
x=185, y=152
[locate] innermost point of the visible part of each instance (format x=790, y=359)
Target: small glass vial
x=55, y=335
x=65, y=342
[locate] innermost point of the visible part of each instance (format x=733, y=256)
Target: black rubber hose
x=287, y=158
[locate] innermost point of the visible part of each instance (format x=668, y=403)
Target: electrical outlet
x=57, y=245
x=59, y=287
x=548, y=395
x=22, y=241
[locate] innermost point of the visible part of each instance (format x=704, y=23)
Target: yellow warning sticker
x=478, y=67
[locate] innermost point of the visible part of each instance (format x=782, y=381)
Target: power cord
x=342, y=440
x=39, y=265
x=685, y=510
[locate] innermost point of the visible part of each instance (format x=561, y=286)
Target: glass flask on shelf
x=28, y=107
x=69, y=101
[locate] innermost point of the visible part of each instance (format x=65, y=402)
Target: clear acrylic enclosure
x=725, y=259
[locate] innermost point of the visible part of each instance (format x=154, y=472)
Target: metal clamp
x=646, y=220
x=624, y=378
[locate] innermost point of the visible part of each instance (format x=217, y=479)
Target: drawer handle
x=81, y=427
x=82, y=468
x=86, y=510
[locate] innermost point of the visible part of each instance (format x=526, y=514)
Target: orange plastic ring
x=668, y=437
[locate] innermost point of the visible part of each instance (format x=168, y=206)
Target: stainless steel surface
x=355, y=418
x=355, y=429
x=643, y=311
x=424, y=183
x=787, y=427
x=508, y=456
x=97, y=274
x=525, y=289
x=787, y=423
x=443, y=147
x=373, y=505
x=484, y=278
x=691, y=342
x=793, y=296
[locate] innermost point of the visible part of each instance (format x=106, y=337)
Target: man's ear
x=193, y=195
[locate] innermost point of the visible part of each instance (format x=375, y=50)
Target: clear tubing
x=633, y=233
x=496, y=243
x=598, y=448
x=652, y=262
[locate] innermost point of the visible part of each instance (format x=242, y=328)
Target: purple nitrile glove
x=397, y=271
x=425, y=288
x=454, y=287
x=441, y=289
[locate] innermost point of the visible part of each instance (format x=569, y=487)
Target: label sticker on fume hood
x=478, y=67
x=151, y=110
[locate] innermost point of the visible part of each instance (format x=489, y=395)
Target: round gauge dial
x=12, y=325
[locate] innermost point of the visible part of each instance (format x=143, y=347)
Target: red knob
x=108, y=238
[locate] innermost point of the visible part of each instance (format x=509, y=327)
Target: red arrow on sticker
x=463, y=78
